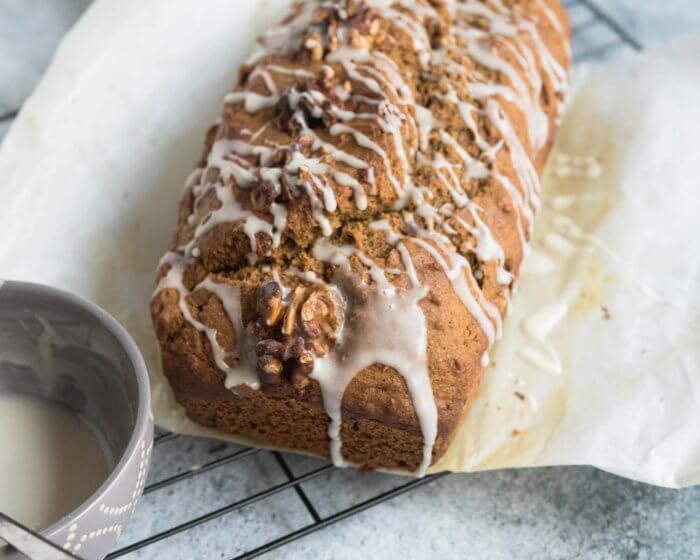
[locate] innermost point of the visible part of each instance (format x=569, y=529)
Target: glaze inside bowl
x=54, y=459
x=58, y=350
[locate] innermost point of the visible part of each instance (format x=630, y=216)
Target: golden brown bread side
x=371, y=152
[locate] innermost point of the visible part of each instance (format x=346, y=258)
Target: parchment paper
x=607, y=373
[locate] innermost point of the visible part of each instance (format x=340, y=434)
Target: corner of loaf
x=346, y=249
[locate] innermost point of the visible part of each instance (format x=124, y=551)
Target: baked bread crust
x=368, y=191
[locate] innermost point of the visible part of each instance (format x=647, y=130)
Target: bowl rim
x=143, y=415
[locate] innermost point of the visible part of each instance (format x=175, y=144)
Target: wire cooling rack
x=200, y=492
x=289, y=491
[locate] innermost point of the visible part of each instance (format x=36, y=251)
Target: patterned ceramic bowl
x=96, y=370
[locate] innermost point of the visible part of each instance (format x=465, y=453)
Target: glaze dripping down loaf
x=347, y=246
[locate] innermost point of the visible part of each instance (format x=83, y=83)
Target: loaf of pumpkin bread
x=347, y=246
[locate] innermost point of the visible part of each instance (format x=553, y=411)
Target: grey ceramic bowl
x=96, y=370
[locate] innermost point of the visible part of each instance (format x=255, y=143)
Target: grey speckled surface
x=566, y=512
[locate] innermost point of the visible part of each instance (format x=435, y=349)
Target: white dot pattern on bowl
x=140, y=484
x=143, y=464
x=74, y=541
x=68, y=545
x=112, y=511
x=95, y=532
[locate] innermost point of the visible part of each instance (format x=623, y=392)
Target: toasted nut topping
x=269, y=347
x=358, y=40
x=320, y=347
x=303, y=368
x=290, y=315
x=305, y=363
x=314, y=45
x=270, y=365
x=293, y=332
x=294, y=348
x=270, y=303
x=313, y=314
x=327, y=73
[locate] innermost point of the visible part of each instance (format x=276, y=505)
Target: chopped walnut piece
x=308, y=104
x=327, y=77
x=313, y=44
x=337, y=20
x=270, y=369
x=270, y=303
x=293, y=348
x=318, y=315
x=270, y=348
x=290, y=316
x=358, y=40
x=320, y=347
x=304, y=367
x=294, y=331
x=269, y=357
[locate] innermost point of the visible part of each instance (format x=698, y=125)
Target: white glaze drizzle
x=237, y=375
x=387, y=328
x=536, y=328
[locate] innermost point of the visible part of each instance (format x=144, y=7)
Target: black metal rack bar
x=298, y=489
x=612, y=24
x=323, y=523
x=194, y=471
x=6, y=117
x=222, y=511
x=164, y=438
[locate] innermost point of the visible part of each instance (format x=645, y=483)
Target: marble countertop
x=564, y=512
